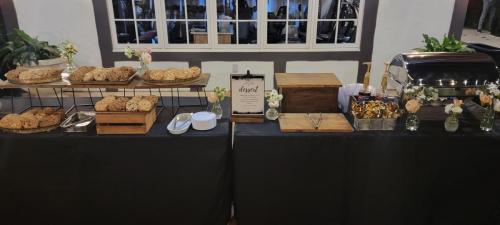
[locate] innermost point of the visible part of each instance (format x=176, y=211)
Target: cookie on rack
x=195, y=71
x=11, y=121
x=29, y=121
x=50, y=120
x=14, y=74
x=79, y=73
x=145, y=105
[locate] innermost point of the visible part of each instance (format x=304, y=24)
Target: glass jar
x=143, y=68
x=217, y=109
x=272, y=113
x=451, y=123
x=70, y=66
x=488, y=120
x=412, y=122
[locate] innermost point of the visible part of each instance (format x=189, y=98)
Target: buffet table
x=158, y=178
x=376, y=178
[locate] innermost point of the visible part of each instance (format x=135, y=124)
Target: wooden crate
x=308, y=92
x=125, y=122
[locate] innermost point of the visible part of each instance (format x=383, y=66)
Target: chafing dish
x=453, y=74
x=78, y=122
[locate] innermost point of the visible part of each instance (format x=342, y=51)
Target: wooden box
x=125, y=122
x=308, y=92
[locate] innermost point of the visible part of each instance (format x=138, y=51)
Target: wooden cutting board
x=300, y=123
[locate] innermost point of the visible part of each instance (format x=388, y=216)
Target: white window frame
x=261, y=46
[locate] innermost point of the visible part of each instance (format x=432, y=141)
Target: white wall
x=346, y=71
x=220, y=72
x=59, y=20
x=400, y=25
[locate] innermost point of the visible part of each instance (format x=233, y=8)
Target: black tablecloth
x=59, y=178
x=376, y=178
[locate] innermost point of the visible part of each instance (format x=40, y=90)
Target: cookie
x=14, y=74
x=11, y=121
x=29, y=121
x=50, y=120
x=195, y=71
x=118, y=105
x=101, y=106
x=145, y=105
x=79, y=73
x=152, y=98
x=132, y=106
x=88, y=77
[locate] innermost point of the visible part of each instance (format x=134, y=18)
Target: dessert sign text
x=247, y=95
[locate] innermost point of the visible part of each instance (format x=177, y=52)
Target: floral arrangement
x=454, y=108
x=68, y=50
x=143, y=55
x=217, y=95
x=412, y=106
x=274, y=98
x=489, y=95
x=422, y=94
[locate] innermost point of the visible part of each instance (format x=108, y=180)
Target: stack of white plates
x=204, y=121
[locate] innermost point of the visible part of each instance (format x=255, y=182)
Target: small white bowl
x=181, y=126
x=204, y=121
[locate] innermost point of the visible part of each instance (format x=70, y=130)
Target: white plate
x=182, y=125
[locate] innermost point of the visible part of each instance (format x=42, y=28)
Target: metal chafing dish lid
x=447, y=69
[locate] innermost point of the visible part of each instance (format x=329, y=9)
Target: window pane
x=226, y=32
x=198, y=32
x=176, y=32
x=349, y=9
x=125, y=32
x=328, y=9
x=298, y=9
x=147, y=32
x=297, y=32
x=144, y=9
x=226, y=9
x=276, y=9
x=175, y=9
x=276, y=32
x=247, y=9
x=247, y=32
x=197, y=9
x=123, y=9
x=326, y=32
x=347, y=32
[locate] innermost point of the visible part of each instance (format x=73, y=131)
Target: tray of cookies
x=34, y=120
x=124, y=115
x=24, y=75
x=102, y=76
x=172, y=76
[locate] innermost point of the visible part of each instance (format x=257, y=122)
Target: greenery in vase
x=448, y=44
x=68, y=50
x=274, y=98
x=21, y=49
x=489, y=95
x=218, y=94
x=143, y=55
x=420, y=93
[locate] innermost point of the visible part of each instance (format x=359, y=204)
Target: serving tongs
x=78, y=122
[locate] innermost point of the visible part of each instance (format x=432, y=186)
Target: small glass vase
x=412, y=122
x=142, y=70
x=451, y=123
x=488, y=120
x=70, y=66
x=217, y=110
x=272, y=113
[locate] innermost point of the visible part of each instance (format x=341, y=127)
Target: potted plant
x=448, y=44
x=23, y=50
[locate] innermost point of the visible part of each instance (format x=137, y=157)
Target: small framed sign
x=247, y=98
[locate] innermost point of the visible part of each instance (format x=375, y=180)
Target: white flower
x=274, y=104
x=457, y=109
x=129, y=52
x=497, y=105
x=447, y=108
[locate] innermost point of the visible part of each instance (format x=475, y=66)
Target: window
x=237, y=22
x=337, y=23
x=237, y=25
x=186, y=22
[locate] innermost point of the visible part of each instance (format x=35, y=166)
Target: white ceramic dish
x=204, y=121
x=180, y=124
